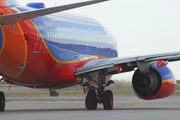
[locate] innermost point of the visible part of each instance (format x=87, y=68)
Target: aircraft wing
x=117, y=65
x=16, y=17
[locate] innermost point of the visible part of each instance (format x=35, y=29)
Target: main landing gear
x=92, y=100
x=2, y=101
x=99, y=95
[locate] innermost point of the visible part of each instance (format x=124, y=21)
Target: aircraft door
x=38, y=44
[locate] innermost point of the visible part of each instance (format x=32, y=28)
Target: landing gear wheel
x=108, y=100
x=91, y=100
x=2, y=101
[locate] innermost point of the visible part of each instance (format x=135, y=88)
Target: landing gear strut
x=2, y=101
x=101, y=97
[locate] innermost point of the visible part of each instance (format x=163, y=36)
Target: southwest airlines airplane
x=39, y=49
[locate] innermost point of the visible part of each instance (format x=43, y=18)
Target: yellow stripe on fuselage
x=169, y=80
x=3, y=42
x=12, y=45
x=59, y=61
x=25, y=44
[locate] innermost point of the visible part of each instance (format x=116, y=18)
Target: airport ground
x=28, y=104
x=73, y=108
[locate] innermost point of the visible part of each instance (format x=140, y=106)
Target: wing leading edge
x=16, y=17
x=117, y=65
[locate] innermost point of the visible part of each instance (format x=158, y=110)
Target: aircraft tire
x=91, y=100
x=2, y=101
x=108, y=100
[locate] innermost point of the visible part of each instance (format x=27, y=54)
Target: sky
x=141, y=27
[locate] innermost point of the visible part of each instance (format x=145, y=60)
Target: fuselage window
x=80, y=37
x=59, y=35
x=54, y=34
x=69, y=36
x=48, y=34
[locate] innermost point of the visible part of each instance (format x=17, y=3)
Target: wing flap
x=107, y=63
x=169, y=56
x=16, y=17
x=130, y=62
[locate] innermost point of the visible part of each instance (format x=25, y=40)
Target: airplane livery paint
x=39, y=49
x=68, y=39
x=77, y=35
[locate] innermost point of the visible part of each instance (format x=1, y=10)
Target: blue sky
x=140, y=26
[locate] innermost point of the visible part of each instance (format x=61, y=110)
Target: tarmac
x=73, y=108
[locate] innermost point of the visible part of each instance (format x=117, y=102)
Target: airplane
x=47, y=48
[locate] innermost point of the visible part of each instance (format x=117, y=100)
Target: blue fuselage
x=70, y=37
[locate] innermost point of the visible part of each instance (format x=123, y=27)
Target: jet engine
x=157, y=83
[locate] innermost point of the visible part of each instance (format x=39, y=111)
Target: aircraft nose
x=1, y=38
